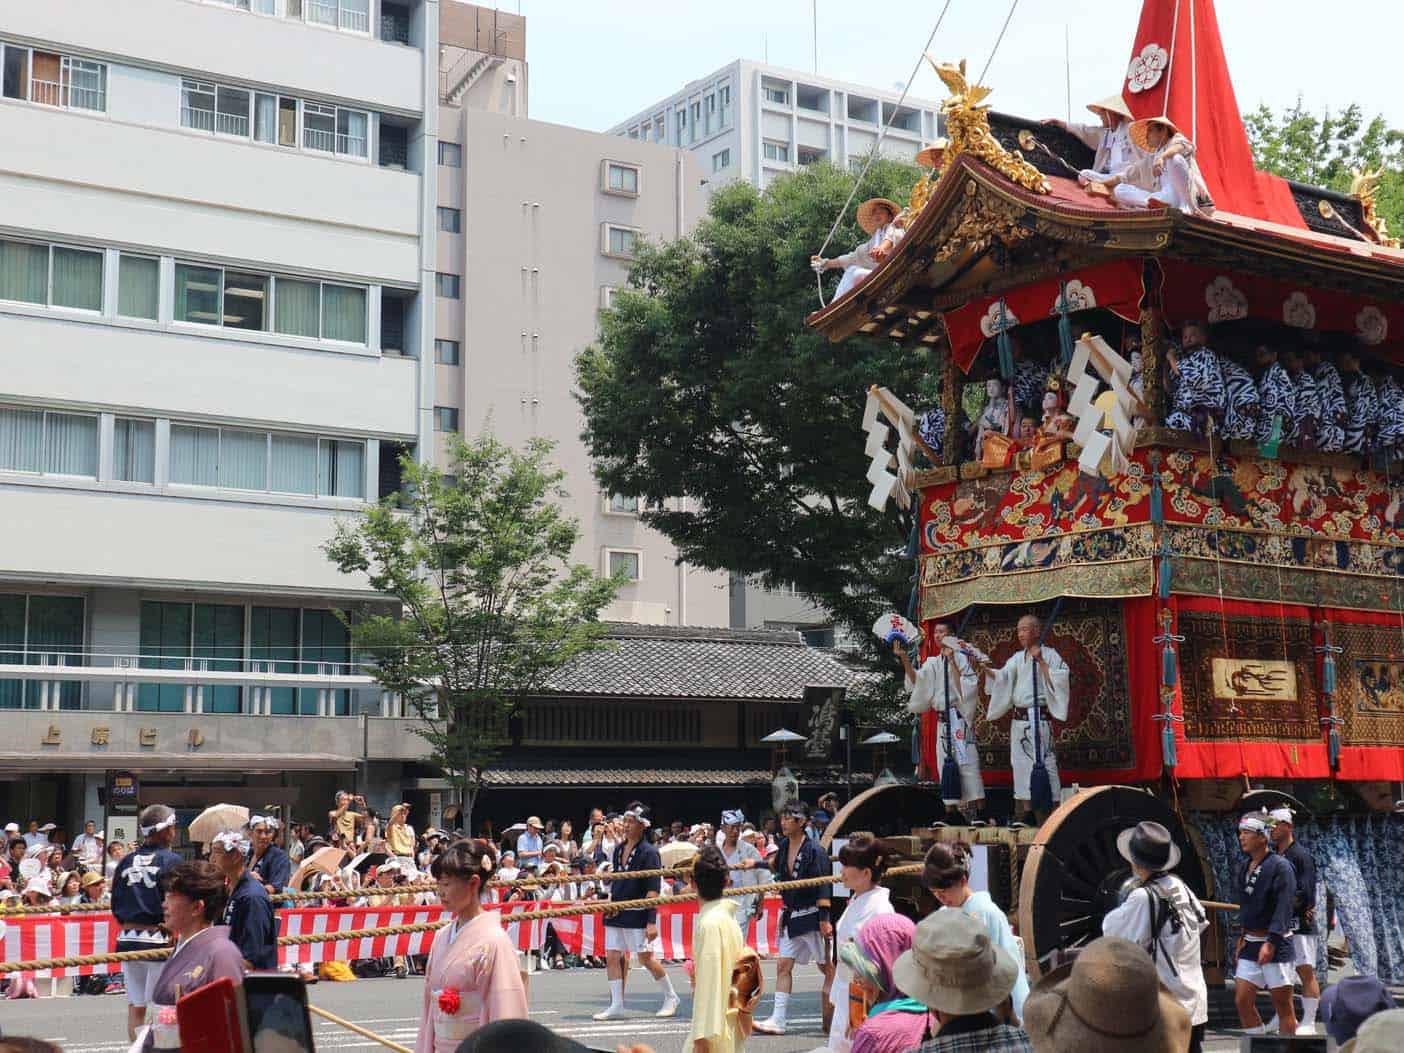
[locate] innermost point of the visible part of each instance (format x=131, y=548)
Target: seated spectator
x=94, y=887
x=1350, y=1002
x=1109, y=1000
x=893, y=1022
x=962, y=978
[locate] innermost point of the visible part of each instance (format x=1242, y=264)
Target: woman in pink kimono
x=471, y=978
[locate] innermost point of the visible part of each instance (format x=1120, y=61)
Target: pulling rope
x=358, y=1029
x=872, y=155
x=157, y=954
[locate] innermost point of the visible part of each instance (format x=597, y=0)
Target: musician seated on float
x=1168, y=177
x=1197, y=378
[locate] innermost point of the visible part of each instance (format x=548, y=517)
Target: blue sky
x=597, y=62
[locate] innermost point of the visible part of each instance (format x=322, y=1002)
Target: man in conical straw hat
x=1170, y=177
x=875, y=216
x=1115, y=150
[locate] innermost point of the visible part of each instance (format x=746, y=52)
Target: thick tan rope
x=358, y=1029
x=604, y=907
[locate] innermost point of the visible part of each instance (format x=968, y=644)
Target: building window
x=319, y=309
x=778, y=96
x=624, y=563
x=680, y=126
x=138, y=287
x=621, y=179
x=447, y=285
x=721, y=160
x=265, y=118
x=48, y=442
x=660, y=130
x=33, y=626
x=134, y=450
x=446, y=352
x=809, y=155
x=54, y=80
x=445, y=418
x=450, y=155
x=276, y=462
x=695, y=122
x=63, y=277
x=724, y=94
x=622, y=505
x=331, y=129
x=633, y=132
x=607, y=297
x=710, y=105
x=620, y=241
x=776, y=151
x=450, y=220
x=240, y=300
x=353, y=15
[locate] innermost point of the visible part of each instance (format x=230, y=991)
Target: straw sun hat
x=1112, y=104
x=1139, y=132
x=1109, y=1000
x=867, y=212
x=930, y=156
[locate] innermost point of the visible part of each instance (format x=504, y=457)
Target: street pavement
x=563, y=1001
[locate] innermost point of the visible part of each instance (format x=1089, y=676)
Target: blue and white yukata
x=1030, y=382
x=1389, y=417
x=1330, y=426
x=1276, y=398
x=1307, y=409
x=1360, y=400
x=1199, y=391
x=1240, y=401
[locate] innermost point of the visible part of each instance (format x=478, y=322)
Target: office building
x=216, y=306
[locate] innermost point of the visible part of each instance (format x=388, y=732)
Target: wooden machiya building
x=1269, y=571
x=672, y=716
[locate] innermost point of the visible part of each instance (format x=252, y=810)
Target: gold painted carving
x=980, y=219
x=1366, y=185
x=968, y=128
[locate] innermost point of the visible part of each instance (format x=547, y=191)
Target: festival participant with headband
x=138, y=895
x=471, y=977
x=270, y=864
x=634, y=931
x=1265, y=951
x=743, y=859
x=1303, y=911
x=804, y=923
x=249, y=912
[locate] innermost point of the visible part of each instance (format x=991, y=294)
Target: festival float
x=1227, y=599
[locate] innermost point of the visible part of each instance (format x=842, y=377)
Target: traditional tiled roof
x=667, y=661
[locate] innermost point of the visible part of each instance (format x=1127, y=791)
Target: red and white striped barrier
x=35, y=937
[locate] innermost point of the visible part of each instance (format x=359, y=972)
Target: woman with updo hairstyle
x=946, y=875
x=863, y=862
x=471, y=978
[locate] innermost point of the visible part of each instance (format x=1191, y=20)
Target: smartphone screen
x=278, y=1017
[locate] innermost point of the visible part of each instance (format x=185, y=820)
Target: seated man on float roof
x=1168, y=176
x=1110, y=138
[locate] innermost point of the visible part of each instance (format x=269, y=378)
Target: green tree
x=705, y=384
x=490, y=605
x=1327, y=150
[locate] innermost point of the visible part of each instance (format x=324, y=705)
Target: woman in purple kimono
x=195, y=896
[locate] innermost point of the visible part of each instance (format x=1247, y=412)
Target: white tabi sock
x=667, y=984
x=782, y=1005
x=1309, y=1009
x=616, y=993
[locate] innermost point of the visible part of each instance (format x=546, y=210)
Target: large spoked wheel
x=1074, y=875
x=885, y=811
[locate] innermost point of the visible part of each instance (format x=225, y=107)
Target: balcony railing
x=317, y=139
x=354, y=145
x=49, y=92
x=356, y=21
x=322, y=11
x=201, y=120
x=232, y=124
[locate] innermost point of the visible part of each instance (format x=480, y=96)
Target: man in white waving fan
x=1033, y=674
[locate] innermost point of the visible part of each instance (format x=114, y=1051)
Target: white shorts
x=140, y=979
x=1304, y=949
x=635, y=941
x=803, y=949
x=1270, y=976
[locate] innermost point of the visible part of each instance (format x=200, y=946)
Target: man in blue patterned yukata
x=1276, y=395
x=1198, y=379
x=1389, y=416
x=1241, y=407
x=1030, y=382
x=1265, y=951
x=1306, y=404
x=1331, y=425
x=1360, y=401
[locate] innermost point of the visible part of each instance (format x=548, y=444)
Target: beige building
x=537, y=227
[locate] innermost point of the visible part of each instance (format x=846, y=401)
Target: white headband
x=1282, y=815
x=637, y=815
x=232, y=841
x=1253, y=823
x=255, y=821
x=164, y=824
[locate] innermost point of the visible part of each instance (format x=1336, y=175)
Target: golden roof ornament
x=1365, y=185
x=968, y=128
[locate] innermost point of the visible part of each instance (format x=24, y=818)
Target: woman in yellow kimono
x=471, y=978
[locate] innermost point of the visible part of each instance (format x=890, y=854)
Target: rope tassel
x=1170, y=675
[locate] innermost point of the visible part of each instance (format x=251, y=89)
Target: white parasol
x=676, y=853
x=216, y=819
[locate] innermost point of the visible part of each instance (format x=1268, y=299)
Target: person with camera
x=1165, y=917
x=344, y=820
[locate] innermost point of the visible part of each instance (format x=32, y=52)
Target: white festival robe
x=1011, y=687
x=877, y=900
x=929, y=693
x=859, y=263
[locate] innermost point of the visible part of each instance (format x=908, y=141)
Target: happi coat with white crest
x=1011, y=687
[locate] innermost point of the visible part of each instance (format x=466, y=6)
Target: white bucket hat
x=952, y=966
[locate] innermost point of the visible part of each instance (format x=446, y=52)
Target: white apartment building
x=537, y=227
x=216, y=327
x=752, y=121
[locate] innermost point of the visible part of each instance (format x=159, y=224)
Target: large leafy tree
x=705, y=384
x=490, y=605
x=1327, y=150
